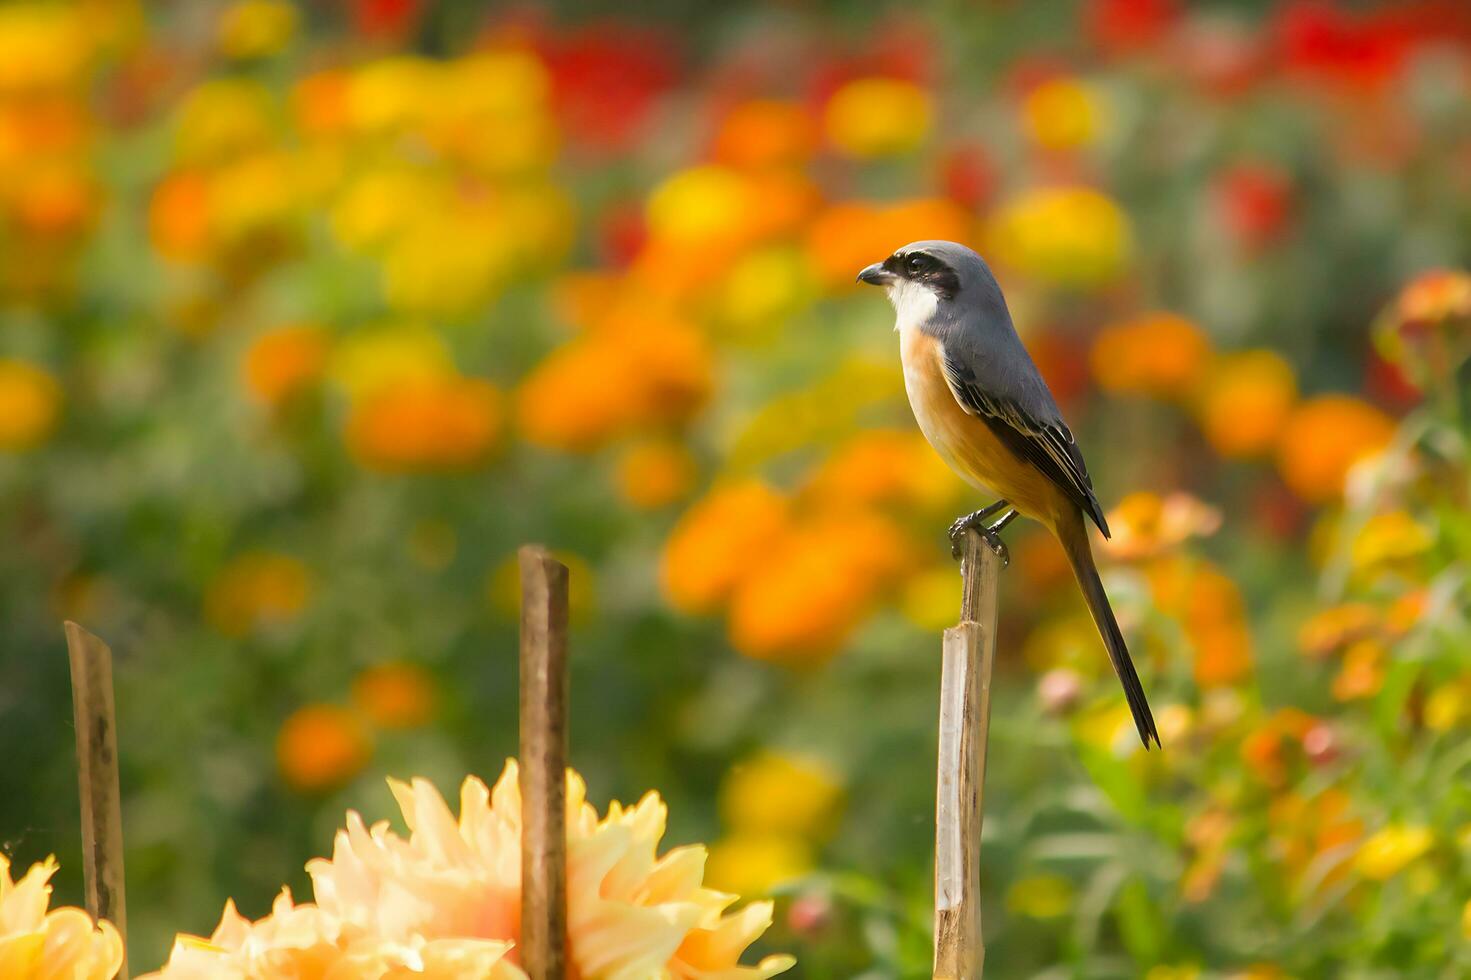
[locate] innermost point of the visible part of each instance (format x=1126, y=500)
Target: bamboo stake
x=543, y=764
x=97, y=778
x=968, y=654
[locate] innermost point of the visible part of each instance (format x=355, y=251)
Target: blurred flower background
x=310, y=314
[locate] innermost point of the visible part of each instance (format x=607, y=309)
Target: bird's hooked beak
x=876, y=275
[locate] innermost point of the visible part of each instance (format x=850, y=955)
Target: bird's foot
x=991, y=532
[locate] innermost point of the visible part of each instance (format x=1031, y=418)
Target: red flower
x=606, y=78
x=1121, y=26
x=1255, y=201
x=967, y=175
x=384, y=18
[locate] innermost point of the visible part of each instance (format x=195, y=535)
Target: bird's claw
x=992, y=539
x=977, y=521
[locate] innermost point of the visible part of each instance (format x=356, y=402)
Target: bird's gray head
x=923, y=277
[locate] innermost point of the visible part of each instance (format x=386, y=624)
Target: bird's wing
x=1046, y=443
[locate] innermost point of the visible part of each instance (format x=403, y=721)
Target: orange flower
x=1158, y=354
x=1145, y=524
x=1246, y=401
x=320, y=103
x=1362, y=674
x=765, y=133
x=717, y=543
x=1332, y=629
x=1264, y=750
x=178, y=216
x=883, y=466
x=283, y=361
x=1213, y=614
x=259, y=588
x=1427, y=330
x=55, y=199
x=629, y=373
x=1322, y=441
x=1306, y=830
x=320, y=747
x=655, y=474
x=426, y=424
x=395, y=695
x=844, y=238
x=815, y=585
x=30, y=402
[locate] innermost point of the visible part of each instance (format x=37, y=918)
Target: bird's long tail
x=1074, y=536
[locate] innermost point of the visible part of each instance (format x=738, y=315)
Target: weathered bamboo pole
x=969, y=652
x=543, y=765
x=97, y=779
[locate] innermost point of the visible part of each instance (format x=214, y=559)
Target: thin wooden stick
x=97, y=779
x=968, y=655
x=543, y=765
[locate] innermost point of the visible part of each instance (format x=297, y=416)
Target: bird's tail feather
x=1074, y=537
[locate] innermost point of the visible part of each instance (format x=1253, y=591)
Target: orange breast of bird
x=965, y=442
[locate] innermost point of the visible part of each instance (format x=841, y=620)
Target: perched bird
x=983, y=406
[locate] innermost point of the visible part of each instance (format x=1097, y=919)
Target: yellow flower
x=931, y=598
x=42, y=45
x=1185, y=971
x=1158, y=354
x=259, y=588
x=392, y=93
x=754, y=864
x=877, y=117
x=379, y=204
x=223, y=119
x=1246, y=401
x=394, y=354
x=1389, y=851
x=718, y=542
x=1448, y=706
x=1387, y=539
x=1064, y=114
x=1066, y=236
x=256, y=28
x=1324, y=438
x=449, y=264
x=395, y=695
x=445, y=902
x=39, y=945
x=707, y=203
x=762, y=288
x=1042, y=896
x=1466, y=921
x=320, y=747
x=30, y=401
x=780, y=794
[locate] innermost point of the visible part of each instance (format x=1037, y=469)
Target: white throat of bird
x=914, y=303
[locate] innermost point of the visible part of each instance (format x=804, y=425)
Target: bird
x=982, y=404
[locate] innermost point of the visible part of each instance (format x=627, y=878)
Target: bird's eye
x=915, y=263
